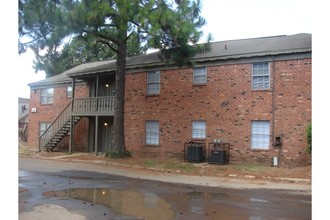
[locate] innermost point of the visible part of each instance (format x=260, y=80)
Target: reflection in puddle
x=125, y=202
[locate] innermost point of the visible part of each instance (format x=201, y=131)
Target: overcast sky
x=226, y=20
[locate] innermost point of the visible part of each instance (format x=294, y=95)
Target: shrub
x=118, y=154
x=309, y=137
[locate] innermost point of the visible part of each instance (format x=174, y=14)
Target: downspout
x=273, y=111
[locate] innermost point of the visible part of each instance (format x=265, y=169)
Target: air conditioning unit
x=195, y=154
x=33, y=110
x=218, y=157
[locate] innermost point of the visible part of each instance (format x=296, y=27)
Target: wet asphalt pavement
x=101, y=195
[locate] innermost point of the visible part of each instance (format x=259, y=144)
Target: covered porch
x=98, y=107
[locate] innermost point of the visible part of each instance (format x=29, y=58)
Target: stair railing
x=55, y=126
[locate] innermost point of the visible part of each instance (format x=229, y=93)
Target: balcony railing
x=103, y=105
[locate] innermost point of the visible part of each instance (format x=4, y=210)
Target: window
x=199, y=129
x=152, y=132
x=200, y=75
x=260, y=76
x=43, y=127
x=153, y=82
x=260, y=134
x=69, y=92
x=47, y=96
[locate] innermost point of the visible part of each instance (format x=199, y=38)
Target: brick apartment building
x=254, y=94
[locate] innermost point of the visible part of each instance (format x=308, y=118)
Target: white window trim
x=198, y=74
x=264, y=75
x=69, y=92
x=49, y=97
x=152, y=133
x=261, y=140
x=156, y=82
x=46, y=123
x=198, y=133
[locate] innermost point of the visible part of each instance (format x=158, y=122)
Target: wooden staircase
x=59, y=128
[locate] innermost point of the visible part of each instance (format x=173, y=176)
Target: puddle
x=124, y=202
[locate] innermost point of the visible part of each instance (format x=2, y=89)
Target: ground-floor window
x=199, y=129
x=260, y=134
x=152, y=132
x=43, y=126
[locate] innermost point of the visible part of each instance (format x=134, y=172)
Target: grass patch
x=171, y=165
x=150, y=163
x=118, y=154
x=253, y=168
x=185, y=167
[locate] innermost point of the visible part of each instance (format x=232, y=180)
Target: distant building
x=254, y=94
x=23, y=117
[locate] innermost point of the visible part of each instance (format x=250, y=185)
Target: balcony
x=92, y=106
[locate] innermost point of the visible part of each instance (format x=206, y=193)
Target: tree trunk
x=119, y=129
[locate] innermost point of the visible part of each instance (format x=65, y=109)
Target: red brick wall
x=293, y=108
x=48, y=112
x=227, y=104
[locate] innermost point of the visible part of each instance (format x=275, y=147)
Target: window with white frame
x=199, y=129
x=43, y=127
x=260, y=134
x=46, y=96
x=260, y=76
x=69, y=92
x=200, y=75
x=153, y=82
x=152, y=132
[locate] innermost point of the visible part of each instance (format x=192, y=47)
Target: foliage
x=80, y=50
x=309, y=137
x=118, y=154
x=58, y=52
x=65, y=33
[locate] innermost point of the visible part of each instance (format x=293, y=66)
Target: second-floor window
x=153, y=82
x=46, y=96
x=69, y=92
x=200, y=75
x=260, y=76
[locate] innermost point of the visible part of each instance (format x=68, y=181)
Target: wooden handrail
x=93, y=105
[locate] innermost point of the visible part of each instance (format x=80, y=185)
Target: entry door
x=105, y=135
x=107, y=89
